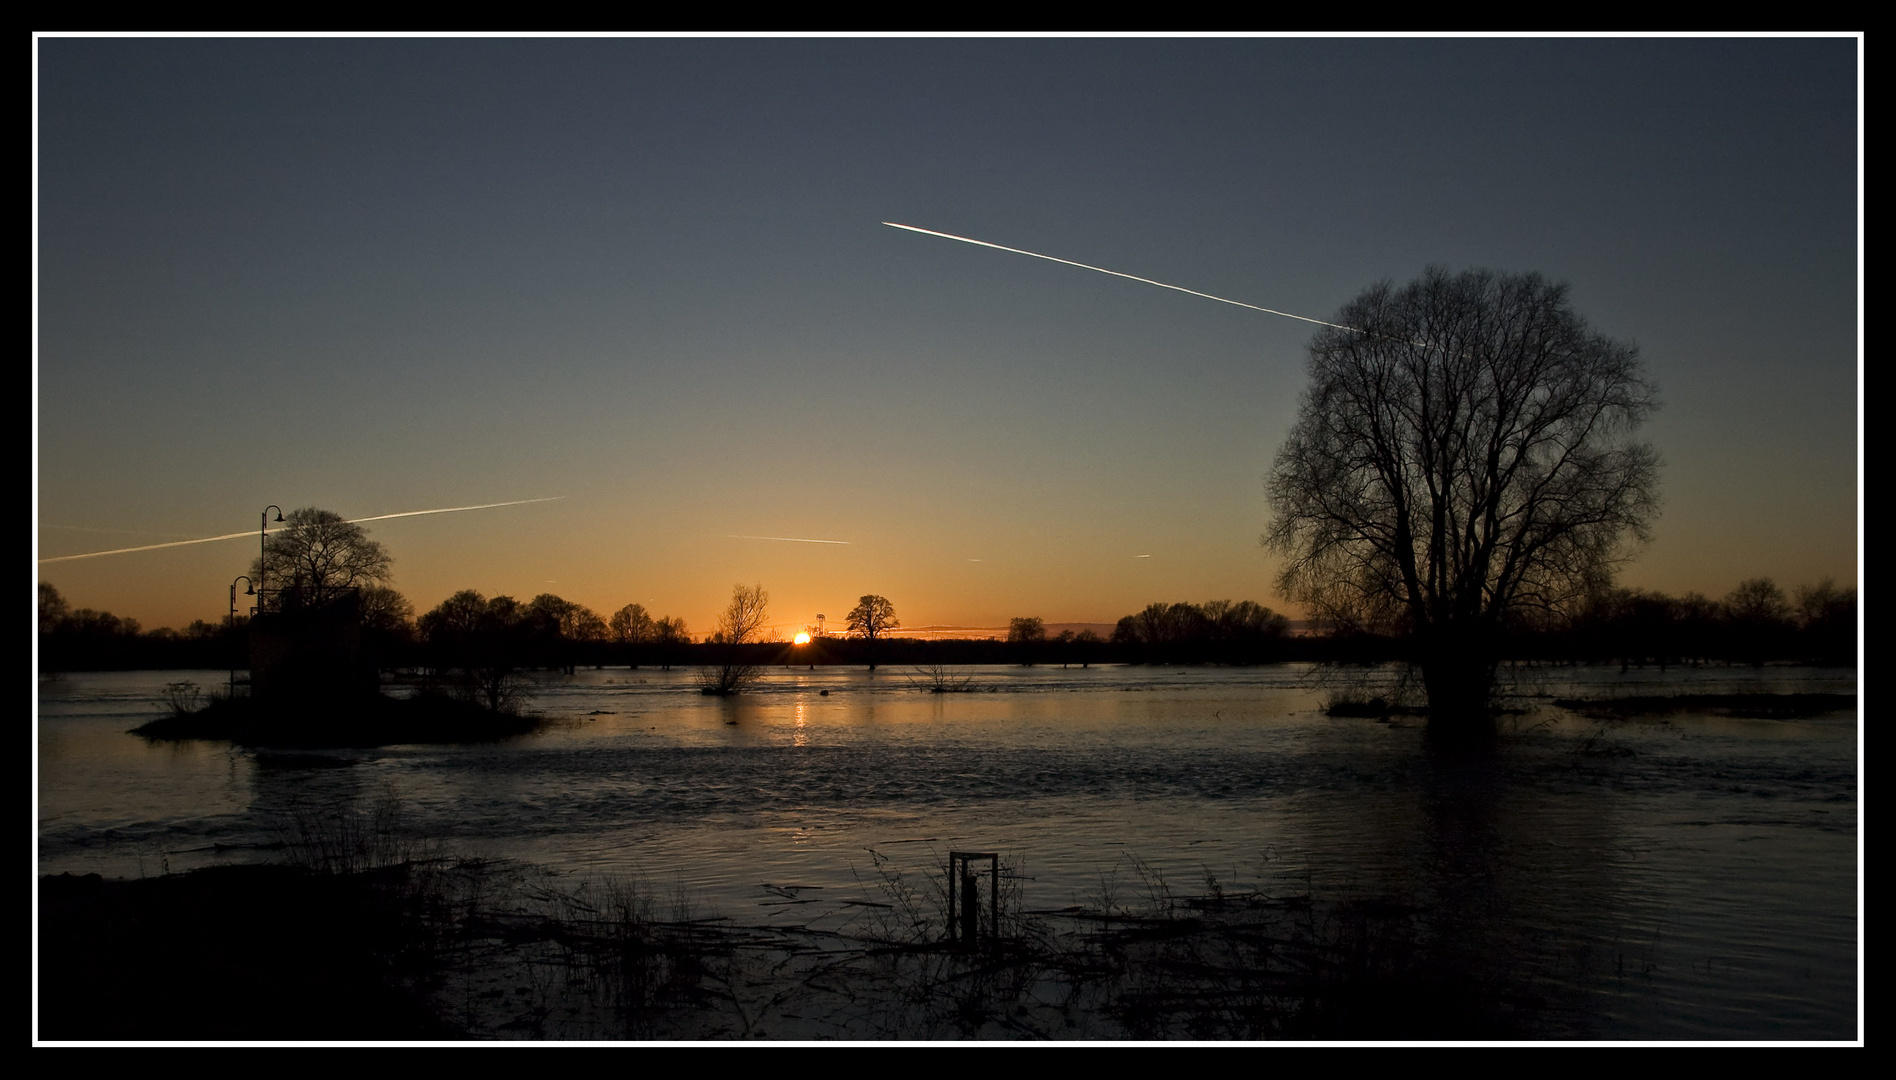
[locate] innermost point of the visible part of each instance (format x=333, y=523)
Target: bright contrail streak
x=458, y=509
x=239, y=535
x=147, y=547
x=790, y=539
x=1115, y=273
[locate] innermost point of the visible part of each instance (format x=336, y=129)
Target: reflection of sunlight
x=802, y=736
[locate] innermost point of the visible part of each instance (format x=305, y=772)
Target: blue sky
x=377, y=275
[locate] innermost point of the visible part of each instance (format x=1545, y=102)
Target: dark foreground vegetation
x=233, y=953
x=439, y=948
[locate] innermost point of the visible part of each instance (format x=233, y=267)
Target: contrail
x=97, y=529
x=790, y=539
x=458, y=509
x=1115, y=273
x=148, y=547
x=239, y=535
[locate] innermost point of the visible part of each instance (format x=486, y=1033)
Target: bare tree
x=317, y=557
x=631, y=625
x=742, y=624
x=483, y=640
x=1758, y=620
x=1816, y=603
x=872, y=617
x=744, y=618
x=385, y=611
x=53, y=608
x=1026, y=633
x=1027, y=630
x=1827, y=618
x=1758, y=602
x=669, y=634
x=1464, y=454
x=387, y=620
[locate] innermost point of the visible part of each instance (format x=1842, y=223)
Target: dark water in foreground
x=1681, y=877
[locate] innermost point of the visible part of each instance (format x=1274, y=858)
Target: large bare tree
x=742, y=624
x=318, y=556
x=1466, y=452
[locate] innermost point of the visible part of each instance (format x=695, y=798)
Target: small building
x=310, y=649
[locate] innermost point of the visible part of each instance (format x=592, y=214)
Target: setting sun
x=802, y=638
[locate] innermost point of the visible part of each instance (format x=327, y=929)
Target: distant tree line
x=487, y=639
x=1217, y=632
x=1756, y=622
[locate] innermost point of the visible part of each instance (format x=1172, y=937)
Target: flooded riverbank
x=1712, y=857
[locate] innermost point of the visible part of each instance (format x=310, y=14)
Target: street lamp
x=250, y=589
x=263, y=529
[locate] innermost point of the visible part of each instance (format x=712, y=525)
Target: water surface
x=1687, y=876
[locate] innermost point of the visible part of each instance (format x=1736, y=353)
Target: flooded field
x=1682, y=876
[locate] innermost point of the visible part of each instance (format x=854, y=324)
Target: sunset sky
x=650, y=277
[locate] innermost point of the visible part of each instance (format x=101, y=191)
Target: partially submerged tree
x=631, y=625
x=1026, y=630
x=872, y=617
x=1759, y=619
x=558, y=628
x=1465, y=453
x=1026, y=633
x=741, y=625
x=669, y=636
x=1217, y=631
x=482, y=640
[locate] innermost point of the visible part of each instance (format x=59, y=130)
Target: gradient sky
x=650, y=276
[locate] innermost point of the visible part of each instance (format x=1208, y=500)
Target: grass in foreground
x=345, y=946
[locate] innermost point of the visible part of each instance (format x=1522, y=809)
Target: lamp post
x=263, y=530
x=250, y=589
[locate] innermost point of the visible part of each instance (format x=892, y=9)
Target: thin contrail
x=238, y=535
x=97, y=529
x=457, y=509
x=790, y=539
x=1115, y=273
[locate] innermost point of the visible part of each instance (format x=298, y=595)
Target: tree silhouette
x=484, y=640
x=872, y=617
x=1026, y=633
x=53, y=608
x=1759, y=619
x=669, y=635
x=317, y=557
x=1027, y=630
x=631, y=625
x=741, y=624
x=1827, y=617
x=1464, y=453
